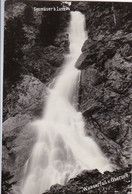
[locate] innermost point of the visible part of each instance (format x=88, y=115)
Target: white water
x=62, y=150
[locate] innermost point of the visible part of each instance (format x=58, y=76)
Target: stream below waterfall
x=62, y=149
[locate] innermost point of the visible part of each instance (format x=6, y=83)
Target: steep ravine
x=105, y=90
x=105, y=93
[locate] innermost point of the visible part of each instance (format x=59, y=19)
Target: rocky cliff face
x=106, y=80
x=105, y=86
x=105, y=94
x=33, y=46
x=31, y=63
x=22, y=106
x=93, y=182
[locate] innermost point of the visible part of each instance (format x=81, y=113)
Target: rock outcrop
x=105, y=87
x=35, y=41
x=23, y=106
x=27, y=97
x=93, y=182
x=31, y=63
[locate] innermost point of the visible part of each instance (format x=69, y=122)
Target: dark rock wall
x=105, y=95
x=93, y=182
x=29, y=48
x=106, y=79
x=34, y=41
x=31, y=63
x=32, y=58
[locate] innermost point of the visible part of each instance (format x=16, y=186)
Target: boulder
x=93, y=182
x=27, y=97
x=24, y=105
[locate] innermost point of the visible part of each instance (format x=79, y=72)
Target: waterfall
x=62, y=149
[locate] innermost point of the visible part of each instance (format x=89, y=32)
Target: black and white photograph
x=67, y=97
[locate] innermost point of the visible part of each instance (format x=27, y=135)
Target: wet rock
x=43, y=63
x=62, y=41
x=104, y=99
x=93, y=182
x=126, y=52
x=105, y=84
x=22, y=106
x=16, y=134
x=33, y=60
x=80, y=61
x=40, y=45
x=53, y=55
x=27, y=97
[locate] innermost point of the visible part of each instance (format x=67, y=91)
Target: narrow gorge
x=62, y=149
x=68, y=99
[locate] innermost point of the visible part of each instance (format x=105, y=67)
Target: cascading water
x=62, y=150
